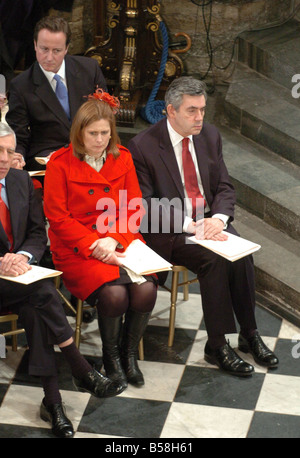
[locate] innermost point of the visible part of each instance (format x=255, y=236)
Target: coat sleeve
x=221, y=188
x=164, y=207
x=66, y=228
x=35, y=239
x=99, y=77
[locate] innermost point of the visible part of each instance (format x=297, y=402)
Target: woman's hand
x=105, y=250
x=12, y=264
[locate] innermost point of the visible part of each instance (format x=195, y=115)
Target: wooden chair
x=176, y=270
x=77, y=311
x=78, y=318
x=13, y=319
x=14, y=331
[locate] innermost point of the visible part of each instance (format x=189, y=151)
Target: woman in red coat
x=89, y=186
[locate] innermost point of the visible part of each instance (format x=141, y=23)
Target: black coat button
x=94, y=226
x=76, y=250
x=106, y=189
x=91, y=191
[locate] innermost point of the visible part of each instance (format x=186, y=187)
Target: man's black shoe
x=56, y=415
x=228, y=360
x=261, y=353
x=98, y=385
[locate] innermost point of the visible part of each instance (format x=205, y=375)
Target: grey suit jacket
x=35, y=114
x=161, y=184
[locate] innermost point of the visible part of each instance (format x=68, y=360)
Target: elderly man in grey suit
x=179, y=159
x=22, y=243
x=44, y=98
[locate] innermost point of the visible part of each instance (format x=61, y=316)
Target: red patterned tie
x=5, y=220
x=190, y=179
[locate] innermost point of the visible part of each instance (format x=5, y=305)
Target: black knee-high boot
x=133, y=330
x=110, y=331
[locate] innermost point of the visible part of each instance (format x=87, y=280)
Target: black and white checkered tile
x=183, y=398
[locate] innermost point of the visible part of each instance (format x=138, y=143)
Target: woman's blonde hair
x=90, y=111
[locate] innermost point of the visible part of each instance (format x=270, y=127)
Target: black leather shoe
x=56, y=415
x=228, y=360
x=261, y=353
x=98, y=385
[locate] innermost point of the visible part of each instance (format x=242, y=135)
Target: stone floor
x=184, y=398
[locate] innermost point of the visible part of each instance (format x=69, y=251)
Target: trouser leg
x=225, y=287
x=42, y=315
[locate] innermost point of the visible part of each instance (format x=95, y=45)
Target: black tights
x=114, y=300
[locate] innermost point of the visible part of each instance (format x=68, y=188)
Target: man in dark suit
x=35, y=113
x=22, y=243
x=162, y=159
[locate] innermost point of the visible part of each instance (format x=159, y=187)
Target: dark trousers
x=227, y=288
x=42, y=315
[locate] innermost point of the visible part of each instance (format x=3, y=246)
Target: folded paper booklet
x=42, y=160
x=34, y=274
x=233, y=248
x=37, y=173
x=142, y=260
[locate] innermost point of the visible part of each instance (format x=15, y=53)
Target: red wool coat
x=83, y=205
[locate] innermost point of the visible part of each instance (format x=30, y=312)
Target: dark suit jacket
x=35, y=114
x=26, y=214
x=37, y=304
x=159, y=178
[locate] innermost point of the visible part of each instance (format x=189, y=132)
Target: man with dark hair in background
x=44, y=98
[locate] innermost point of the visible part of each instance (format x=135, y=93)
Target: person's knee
x=143, y=296
x=112, y=300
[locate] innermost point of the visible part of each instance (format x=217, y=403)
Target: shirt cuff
x=30, y=256
x=223, y=218
x=187, y=221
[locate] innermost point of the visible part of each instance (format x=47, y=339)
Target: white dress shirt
x=50, y=76
x=95, y=163
x=176, y=140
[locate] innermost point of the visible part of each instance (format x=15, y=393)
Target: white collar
x=175, y=137
x=61, y=72
x=95, y=163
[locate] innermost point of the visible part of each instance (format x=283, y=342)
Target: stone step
x=273, y=52
x=264, y=111
x=266, y=185
x=277, y=264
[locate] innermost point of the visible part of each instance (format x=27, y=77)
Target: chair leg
x=185, y=275
x=14, y=341
x=141, y=350
x=174, y=289
x=79, y=312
